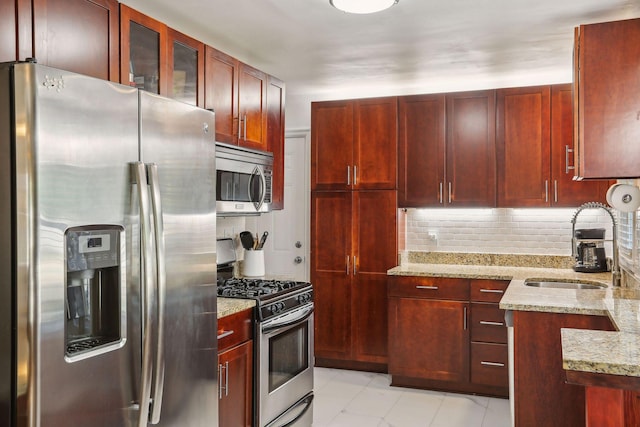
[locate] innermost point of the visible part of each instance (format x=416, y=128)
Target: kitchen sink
x=564, y=285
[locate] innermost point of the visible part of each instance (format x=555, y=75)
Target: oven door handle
x=270, y=328
x=307, y=401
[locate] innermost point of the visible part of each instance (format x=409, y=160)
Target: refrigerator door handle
x=161, y=280
x=139, y=173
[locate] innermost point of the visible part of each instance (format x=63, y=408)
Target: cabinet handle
x=486, y=322
x=239, y=127
x=433, y=288
x=567, y=150
x=355, y=175
x=492, y=291
x=500, y=365
x=465, y=318
x=440, y=198
x=348, y=175
x=226, y=378
x=220, y=368
x=225, y=334
x=354, y=265
x=449, y=192
x=555, y=191
x=244, y=134
x=546, y=191
x=347, y=265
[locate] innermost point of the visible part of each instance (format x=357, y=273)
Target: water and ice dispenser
x=93, y=297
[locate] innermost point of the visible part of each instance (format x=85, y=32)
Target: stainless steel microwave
x=243, y=180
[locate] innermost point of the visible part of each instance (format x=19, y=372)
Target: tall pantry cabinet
x=353, y=228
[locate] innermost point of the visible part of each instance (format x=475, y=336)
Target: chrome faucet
x=616, y=275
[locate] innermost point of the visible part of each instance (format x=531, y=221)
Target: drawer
x=487, y=323
x=489, y=364
x=488, y=290
x=428, y=287
x=235, y=329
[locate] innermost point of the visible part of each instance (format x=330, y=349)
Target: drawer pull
x=492, y=291
x=225, y=334
x=499, y=365
x=486, y=322
x=433, y=288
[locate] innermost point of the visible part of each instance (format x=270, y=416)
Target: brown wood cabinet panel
x=487, y=323
x=421, y=150
x=275, y=137
x=606, y=61
x=489, y=364
x=235, y=329
x=483, y=290
x=221, y=77
x=428, y=287
x=429, y=339
x=331, y=145
x=78, y=35
x=235, y=401
x=539, y=376
x=9, y=28
x=471, y=150
x=185, y=68
x=375, y=150
x=568, y=192
x=523, y=146
x=252, y=107
x=369, y=318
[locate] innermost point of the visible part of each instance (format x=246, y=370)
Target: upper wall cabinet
x=9, y=26
x=237, y=93
x=275, y=138
x=76, y=35
x=354, y=144
x=159, y=59
x=607, y=90
x=447, y=150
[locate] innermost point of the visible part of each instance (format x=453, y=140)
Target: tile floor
x=365, y=399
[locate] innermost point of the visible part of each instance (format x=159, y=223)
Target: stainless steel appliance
x=590, y=255
x=107, y=296
x=283, y=343
x=243, y=184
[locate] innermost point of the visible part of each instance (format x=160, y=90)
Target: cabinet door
x=235, y=398
x=78, y=35
x=331, y=145
x=421, y=122
x=143, y=51
x=252, y=91
x=566, y=191
x=523, y=146
x=185, y=69
x=9, y=31
x=375, y=251
x=607, y=58
x=331, y=273
x=221, y=81
x=275, y=138
x=471, y=150
x=375, y=148
x=429, y=338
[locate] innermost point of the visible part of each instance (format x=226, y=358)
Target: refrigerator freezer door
x=179, y=140
x=74, y=138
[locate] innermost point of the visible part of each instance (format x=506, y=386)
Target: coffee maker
x=589, y=253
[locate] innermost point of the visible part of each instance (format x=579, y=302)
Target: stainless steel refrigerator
x=107, y=265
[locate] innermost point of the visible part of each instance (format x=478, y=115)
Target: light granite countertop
x=229, y=306
x=614, y=353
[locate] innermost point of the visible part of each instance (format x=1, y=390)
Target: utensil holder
x=253, y=264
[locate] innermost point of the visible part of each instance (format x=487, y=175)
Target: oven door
x=285, y=372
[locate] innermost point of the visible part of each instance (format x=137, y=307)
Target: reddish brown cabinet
x=185, y=68
x=15, y=24
x=353, y=238
x=446, y=150
x=235, y=370
x=275, y=137
x=606, y=89
x=354, y=144
x=77, y=35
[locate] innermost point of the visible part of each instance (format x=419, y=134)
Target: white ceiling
x=416, y=46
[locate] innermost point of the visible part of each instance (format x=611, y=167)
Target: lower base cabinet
x=235, y=370
x=448, y=334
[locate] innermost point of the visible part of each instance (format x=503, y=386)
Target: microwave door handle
x=161, y=279
x=139, y=173
x=263, y=188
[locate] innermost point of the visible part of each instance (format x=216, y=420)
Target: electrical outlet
x=432, y=237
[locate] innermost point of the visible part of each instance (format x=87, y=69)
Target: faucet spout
x=616, y=275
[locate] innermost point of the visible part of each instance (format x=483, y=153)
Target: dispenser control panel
x=92, y=248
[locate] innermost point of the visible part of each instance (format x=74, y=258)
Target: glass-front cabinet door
x=185, y=69
x=143, y=50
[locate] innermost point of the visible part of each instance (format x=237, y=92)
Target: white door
x=287, y=247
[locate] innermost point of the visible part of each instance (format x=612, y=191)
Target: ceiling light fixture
x=362, y=6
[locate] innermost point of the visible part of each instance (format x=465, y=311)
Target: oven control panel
x=269, y=309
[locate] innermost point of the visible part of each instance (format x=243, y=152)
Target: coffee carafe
x=590, y=255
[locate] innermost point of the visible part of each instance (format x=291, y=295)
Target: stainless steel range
x=283, y=343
